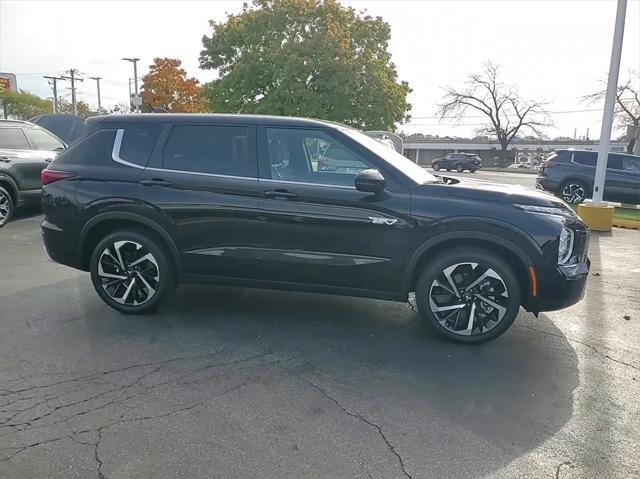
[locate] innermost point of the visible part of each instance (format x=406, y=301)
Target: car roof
x=14, y=123
x=593, y=152
x=226, y=118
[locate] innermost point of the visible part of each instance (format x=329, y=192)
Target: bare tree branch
x=507, y=113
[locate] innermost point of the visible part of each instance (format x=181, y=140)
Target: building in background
x=424, y=151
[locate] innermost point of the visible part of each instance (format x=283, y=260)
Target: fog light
x=565, y=245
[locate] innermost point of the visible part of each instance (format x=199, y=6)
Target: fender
x=520, y=253
x=124, y=215
x=13, y=186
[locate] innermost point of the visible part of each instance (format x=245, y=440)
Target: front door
x=204, y=181
x=318, y=229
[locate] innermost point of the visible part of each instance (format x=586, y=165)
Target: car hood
x=514, y=194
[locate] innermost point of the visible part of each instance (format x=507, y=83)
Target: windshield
x=395, y=159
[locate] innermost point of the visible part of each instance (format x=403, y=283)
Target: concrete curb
x=629, y=224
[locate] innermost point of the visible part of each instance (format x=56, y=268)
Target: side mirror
x=370, y=181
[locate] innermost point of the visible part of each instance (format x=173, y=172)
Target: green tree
x=82, y=107
x=312, y=58
x=23, y=105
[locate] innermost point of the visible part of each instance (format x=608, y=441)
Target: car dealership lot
x=226, y=382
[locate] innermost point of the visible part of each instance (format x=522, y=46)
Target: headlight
x=548, y=210
x=565, y=245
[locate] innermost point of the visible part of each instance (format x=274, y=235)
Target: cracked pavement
x=228, y=382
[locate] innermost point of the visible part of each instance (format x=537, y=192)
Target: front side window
x=44, y=141
x=211, y=149
x=13, y=139
x=312, y=156
x=614, y=162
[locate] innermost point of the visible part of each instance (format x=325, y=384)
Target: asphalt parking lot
x=229, y=382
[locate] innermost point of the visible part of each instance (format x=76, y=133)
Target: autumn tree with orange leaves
x=166, y=86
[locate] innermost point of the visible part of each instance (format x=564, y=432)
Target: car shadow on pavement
x=375, y=360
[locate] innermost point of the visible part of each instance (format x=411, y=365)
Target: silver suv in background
x=25, y=150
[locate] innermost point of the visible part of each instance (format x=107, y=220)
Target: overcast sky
x=552, y=50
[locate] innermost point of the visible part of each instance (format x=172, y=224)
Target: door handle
x=279, y=194
x=156, y=182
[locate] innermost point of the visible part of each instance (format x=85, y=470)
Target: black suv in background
x=25, y=149
x=458, y=162
x=570, y=175
x=146, y=201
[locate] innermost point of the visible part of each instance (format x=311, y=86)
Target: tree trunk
x=634, y=144
x=504, y=161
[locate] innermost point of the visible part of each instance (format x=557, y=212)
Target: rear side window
x=212, y=149
x=44, y=141
x=95, y=149
x=614, y=162
x=586, y=159
x=138, y=142
x=13, y=139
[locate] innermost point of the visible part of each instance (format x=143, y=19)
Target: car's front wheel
x=6, y=207
x=131, y=271
x=573, y=192
x=469, y=295
x=436, y=167
x=460, y=168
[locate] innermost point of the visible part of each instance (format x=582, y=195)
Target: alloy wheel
x=468, y=298
x=128, y=273
x=573, y=193
x=5, y=207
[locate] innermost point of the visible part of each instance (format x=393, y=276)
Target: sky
x=553, y=51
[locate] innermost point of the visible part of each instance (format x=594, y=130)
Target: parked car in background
x=144, y=202
x=458, y=162
x=25, y=150
x=570, y=175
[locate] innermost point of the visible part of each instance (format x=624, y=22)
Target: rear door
x=630, y=184
x=318, y=229
x=204, y=181
x=24, y=164
x=616, y=182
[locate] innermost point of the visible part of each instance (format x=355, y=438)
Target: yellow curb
x=597, y=217
x=622, y=223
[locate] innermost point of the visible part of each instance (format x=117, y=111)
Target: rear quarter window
x=585, y=159
x=138, y=142
x=95, y=149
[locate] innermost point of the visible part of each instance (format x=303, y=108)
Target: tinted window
x=138, y=142
x=631, y=164
x=586, y=159
x=43, y=141
x=312, y=156
x=221, y=150
x=95, y=149
x=13, y=139
x=614, y=162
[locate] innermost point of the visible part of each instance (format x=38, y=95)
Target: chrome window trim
x=115, y=153
x=302, y=183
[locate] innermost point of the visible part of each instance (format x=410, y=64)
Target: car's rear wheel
x=573, y=192
x=469, y=295
x=460, y=168
x=131, y=271
x=436, y=167
x=6, y=206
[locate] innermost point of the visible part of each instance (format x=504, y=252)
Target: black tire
x=436, y=167
x=160, y=263
x=6, y=206
x=574, y=191
x=460, y=259
x=460, y=168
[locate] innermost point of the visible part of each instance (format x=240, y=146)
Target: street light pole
x=609, y=103
x=97, y=79
x=135, y=76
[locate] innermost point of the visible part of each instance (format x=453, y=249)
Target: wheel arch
x=11, y=186
x=515, y=256
x=105, y=223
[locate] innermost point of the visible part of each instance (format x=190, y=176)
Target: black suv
x=570, y=175
x=146, y=201
x=458, y=162
x=25, y=149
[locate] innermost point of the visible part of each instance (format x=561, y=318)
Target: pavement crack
x=361, y=418
x=587, y=345
x=565, y=463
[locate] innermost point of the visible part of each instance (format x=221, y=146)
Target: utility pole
x=72, y=76
x=55, y=91
x=609, y=103
x=97, y=79
x=135, y=77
